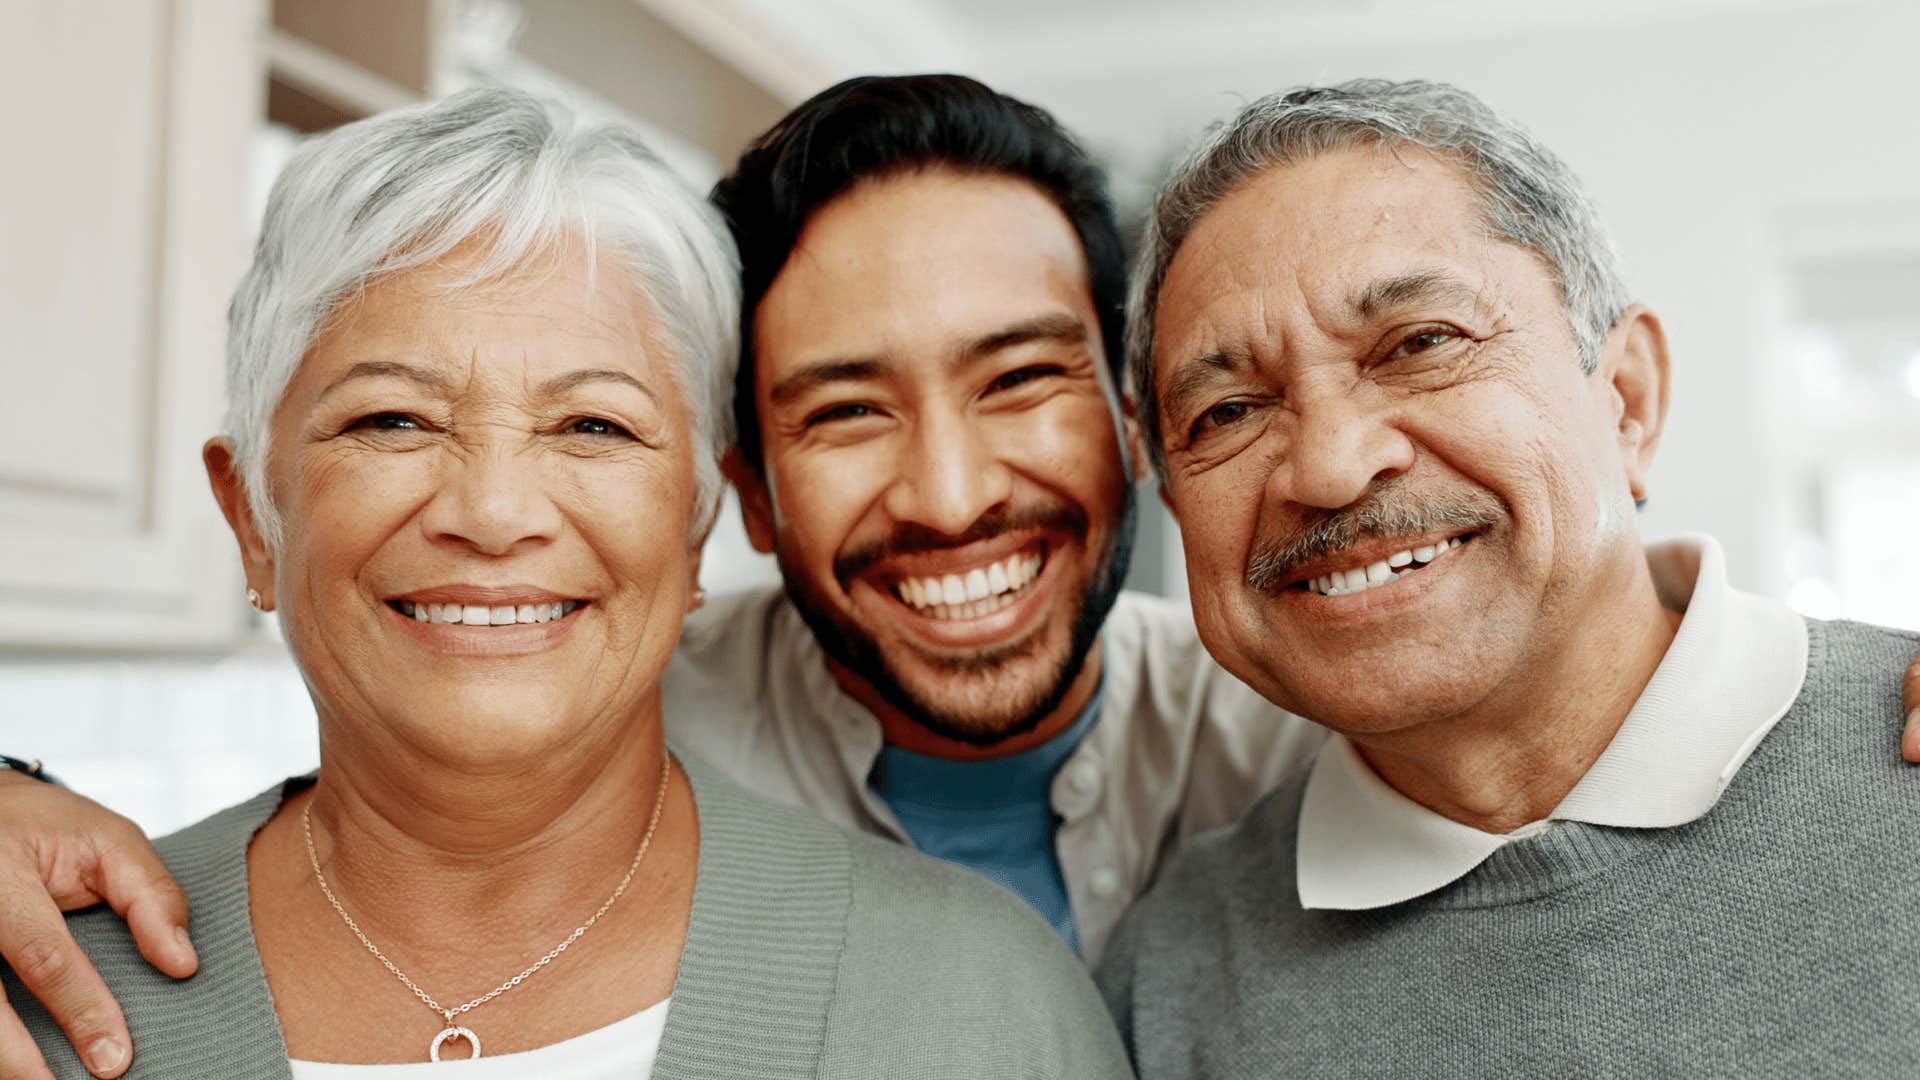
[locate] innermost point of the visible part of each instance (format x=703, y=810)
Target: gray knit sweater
x=810, y=953
x=1778, y=936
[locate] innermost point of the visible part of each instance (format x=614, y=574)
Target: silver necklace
x=453, y=1030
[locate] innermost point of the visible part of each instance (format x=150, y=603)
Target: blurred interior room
x=1756, y=160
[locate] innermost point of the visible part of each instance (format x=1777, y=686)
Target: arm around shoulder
x=948, y=975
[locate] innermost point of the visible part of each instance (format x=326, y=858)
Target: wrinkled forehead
x=562, y=310
x=1317, y=242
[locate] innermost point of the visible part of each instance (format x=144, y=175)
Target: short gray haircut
x=1528, y=197
x=406, y=187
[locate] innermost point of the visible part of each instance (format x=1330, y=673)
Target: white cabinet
x=122, y=230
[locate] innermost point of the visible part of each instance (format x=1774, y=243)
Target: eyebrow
x=1056, y=327
x=376, y=369
x=1193, y=377
x=560, y=384
x=824, y=373
x=1418, y=287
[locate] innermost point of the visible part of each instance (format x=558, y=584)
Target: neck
x=903, y=731
x=431, y=852
x=1512, y=760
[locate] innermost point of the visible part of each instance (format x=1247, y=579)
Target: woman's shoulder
x=224, y=1013
x=954, y=975
x=916, y=967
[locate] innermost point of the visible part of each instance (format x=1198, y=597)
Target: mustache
x=909, y=538
x=1388, y=511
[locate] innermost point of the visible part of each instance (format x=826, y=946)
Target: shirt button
x=1083, y=777
x=1105, y=883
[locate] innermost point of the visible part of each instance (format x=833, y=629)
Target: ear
x=230, y=491
x=1634, y=363
x=756, y=501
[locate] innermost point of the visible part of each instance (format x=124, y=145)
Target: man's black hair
x=876, y=126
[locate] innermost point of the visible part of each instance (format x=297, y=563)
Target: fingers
x=34, y=941
x=19, y=1057
x=136, y=884
x=1910, y=696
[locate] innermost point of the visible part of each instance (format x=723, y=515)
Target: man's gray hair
x=405, y=188
x=1528, y=197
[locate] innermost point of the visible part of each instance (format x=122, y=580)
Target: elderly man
x=1588, y=810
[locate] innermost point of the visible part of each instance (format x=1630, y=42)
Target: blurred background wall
x=1757, y=161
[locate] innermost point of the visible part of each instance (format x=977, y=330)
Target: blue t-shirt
x=994, y=817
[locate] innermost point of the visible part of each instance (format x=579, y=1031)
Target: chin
x=985, y=705
x=482, y=728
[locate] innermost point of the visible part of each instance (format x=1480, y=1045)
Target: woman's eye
x=852, y=410
x=386, y=421
x=1222, y=415
x=594, y=425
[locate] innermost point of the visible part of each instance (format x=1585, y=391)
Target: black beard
x=859, y=653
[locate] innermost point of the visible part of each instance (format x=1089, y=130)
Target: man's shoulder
x=1255, y=854
x=730, y=622
x=719, y=671
x=1853, y=681
x=1850, y=651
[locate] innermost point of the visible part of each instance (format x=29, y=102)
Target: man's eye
x=1222, y=415
x=852, y=410
x=386, y=421
x=594, y=425
x=1424, y=340
x=1020, y=377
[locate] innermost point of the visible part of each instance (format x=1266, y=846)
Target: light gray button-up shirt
x=1180, y=746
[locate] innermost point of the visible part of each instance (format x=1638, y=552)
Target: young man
x=933, y=444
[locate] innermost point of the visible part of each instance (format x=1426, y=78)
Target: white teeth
x=1386, y=571
x=977, y=592
x=483, y=615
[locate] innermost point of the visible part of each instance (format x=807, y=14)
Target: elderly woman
x=476, y=373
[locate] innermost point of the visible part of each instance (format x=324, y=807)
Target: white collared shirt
x=1180, y=746
x=1733, y=670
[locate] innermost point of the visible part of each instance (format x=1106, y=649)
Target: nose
x=493, y=499
x=1339, y=449
x=949, y=475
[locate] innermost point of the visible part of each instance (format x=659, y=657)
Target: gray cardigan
x=810, y=953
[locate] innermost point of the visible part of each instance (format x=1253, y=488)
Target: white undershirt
x=625, y=1049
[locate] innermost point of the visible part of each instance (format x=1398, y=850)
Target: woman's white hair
x=404, y=188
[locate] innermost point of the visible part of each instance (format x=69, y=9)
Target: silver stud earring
x=253, y=599
x=699, y=598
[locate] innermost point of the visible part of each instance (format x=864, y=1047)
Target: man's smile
x=1356, y=569
x=981, y=590
x=974, y=596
